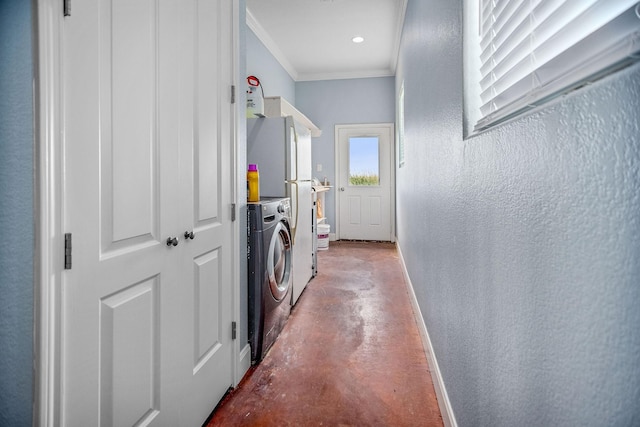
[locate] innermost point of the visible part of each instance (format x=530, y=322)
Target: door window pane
x=364, y=161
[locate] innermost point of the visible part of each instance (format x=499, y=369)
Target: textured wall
x=273, y=77
x=331, y=102
x=16, y=214
x=523, y=243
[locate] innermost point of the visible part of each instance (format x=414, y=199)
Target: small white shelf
x=321, y=190
x=277, y=106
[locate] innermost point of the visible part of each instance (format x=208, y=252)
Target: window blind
x=533, y=50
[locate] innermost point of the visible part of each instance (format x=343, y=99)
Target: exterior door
x=364, y=210
x=145, y=334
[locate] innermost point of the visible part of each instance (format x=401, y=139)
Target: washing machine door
x=279, y=261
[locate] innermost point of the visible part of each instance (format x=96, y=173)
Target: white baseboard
x=446, y=410
x=244, y=363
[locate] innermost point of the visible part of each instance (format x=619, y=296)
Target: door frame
x=48, y=200
x=392, y=171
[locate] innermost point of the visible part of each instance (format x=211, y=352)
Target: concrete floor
x=350, y=354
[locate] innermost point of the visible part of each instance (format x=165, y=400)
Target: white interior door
x=364, y=181
x=146, y=326
x=206, y=177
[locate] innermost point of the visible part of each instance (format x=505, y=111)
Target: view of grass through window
x=364, y=162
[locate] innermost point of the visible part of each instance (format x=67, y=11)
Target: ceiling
x=312, y=38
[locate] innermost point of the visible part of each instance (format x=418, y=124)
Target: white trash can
x=323, y=236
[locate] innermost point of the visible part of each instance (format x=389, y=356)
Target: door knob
x=341, y=188
x=172, y=241
x=189, y=235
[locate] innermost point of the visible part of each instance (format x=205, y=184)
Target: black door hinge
x=66, y=7
x=234, y=330
x=233, y=212
x=233, y=94
x=67, y=251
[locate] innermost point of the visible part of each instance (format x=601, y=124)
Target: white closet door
x=206, y=176
x=143, y=322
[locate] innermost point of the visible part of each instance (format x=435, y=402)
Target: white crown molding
x=360, y=74
x=398, y=35
x=271, y=46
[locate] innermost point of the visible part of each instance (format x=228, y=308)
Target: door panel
x=355, y=211
x=375, y=211
x=372, y=211
x=129, y=323
x=128, y=88
x=206, y=296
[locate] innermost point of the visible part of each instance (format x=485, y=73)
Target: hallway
x=350, y=354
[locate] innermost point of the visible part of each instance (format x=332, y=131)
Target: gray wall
x=274, y=79
x=522, y=243
x=331, y=102
x=16, y=213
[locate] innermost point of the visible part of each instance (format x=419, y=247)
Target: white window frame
x=555, y=46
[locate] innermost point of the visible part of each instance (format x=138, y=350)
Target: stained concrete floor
x=350, y=354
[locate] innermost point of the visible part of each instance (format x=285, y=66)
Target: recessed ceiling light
x=357, y=39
